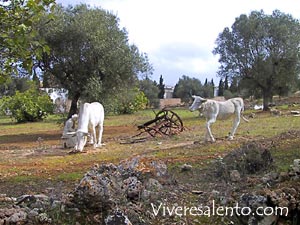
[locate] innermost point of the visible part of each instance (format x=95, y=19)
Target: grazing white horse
x=212, y=110
x=91, y=115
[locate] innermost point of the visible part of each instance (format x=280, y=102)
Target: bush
x=28, y=106
x=126, y=102
x=133, y=101
x=228, y=94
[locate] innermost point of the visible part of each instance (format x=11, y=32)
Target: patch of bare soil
x=15, y=151
x=49, y=142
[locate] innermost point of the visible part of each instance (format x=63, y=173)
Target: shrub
x=228, y=94
x=126, y=102
x=28, y=106
x=133, y=101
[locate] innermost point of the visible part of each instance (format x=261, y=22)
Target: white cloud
x=179, y=35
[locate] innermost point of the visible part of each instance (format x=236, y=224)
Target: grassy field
x=32, y=159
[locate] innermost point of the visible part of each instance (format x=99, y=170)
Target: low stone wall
x=169, y=102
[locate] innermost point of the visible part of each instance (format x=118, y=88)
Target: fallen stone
x=235, y=176
x=197, y=192
x=186, y=167
x=118, y=218
x=294, y=112
x=17, y=218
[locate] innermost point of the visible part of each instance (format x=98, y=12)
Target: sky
x=179, y=35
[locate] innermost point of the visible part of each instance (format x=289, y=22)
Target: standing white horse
x=212, y=110
x=91, y=115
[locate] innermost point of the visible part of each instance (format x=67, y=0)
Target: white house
x=169, y=92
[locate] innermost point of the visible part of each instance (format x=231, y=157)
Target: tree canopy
x=90, y=54
x=151, y=91
x=19, y=45
x=262, y=50
x=186, y=87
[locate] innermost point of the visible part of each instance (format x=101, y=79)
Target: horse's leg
x=236, y=123
x=208, y=130
x=94, y=137
x=90, y=136
x=100, y=135
x=207, y=137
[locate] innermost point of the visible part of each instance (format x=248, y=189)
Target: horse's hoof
x=74, y=152
x=210, y=140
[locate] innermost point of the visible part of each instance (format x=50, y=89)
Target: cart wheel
x=169, y=122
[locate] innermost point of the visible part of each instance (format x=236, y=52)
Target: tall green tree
x=205, y=82
x=234, y=85
x=262, y=49
x=161, y=87
x=186, y=87
x=212, y=83
x=207, y=90
x=151, y=91
x=226, y=85
x=90, y=54
x=19, y=43
x=221, y=88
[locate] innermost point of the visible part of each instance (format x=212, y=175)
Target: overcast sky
x=179, y=35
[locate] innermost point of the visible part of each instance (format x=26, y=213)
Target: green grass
x=23, y=179
x=73, y=176
x=130, y=119
x=285, y=153
x=54, y=122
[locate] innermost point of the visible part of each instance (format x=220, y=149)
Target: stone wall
x=169, y=102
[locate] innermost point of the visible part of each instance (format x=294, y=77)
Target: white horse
x=212, y=110
x=91, y=115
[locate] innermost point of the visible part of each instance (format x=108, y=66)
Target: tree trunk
x=73, y=108
x=267, y=98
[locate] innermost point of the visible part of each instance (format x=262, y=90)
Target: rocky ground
x=143, y=190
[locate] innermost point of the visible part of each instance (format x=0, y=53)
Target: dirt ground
x=18, y=150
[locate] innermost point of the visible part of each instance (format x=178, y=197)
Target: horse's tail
x=242, y=110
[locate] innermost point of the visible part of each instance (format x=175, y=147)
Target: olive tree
x=90, y=54
x=262, y=50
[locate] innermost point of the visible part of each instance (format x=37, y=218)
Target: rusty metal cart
x=165, y=123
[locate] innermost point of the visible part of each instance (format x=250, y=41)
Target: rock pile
x=278, y=201
x=252, y=165
x=250, y=158
x=27, y=209
x=272, y=206
x=107, y=194
x=128, y=188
